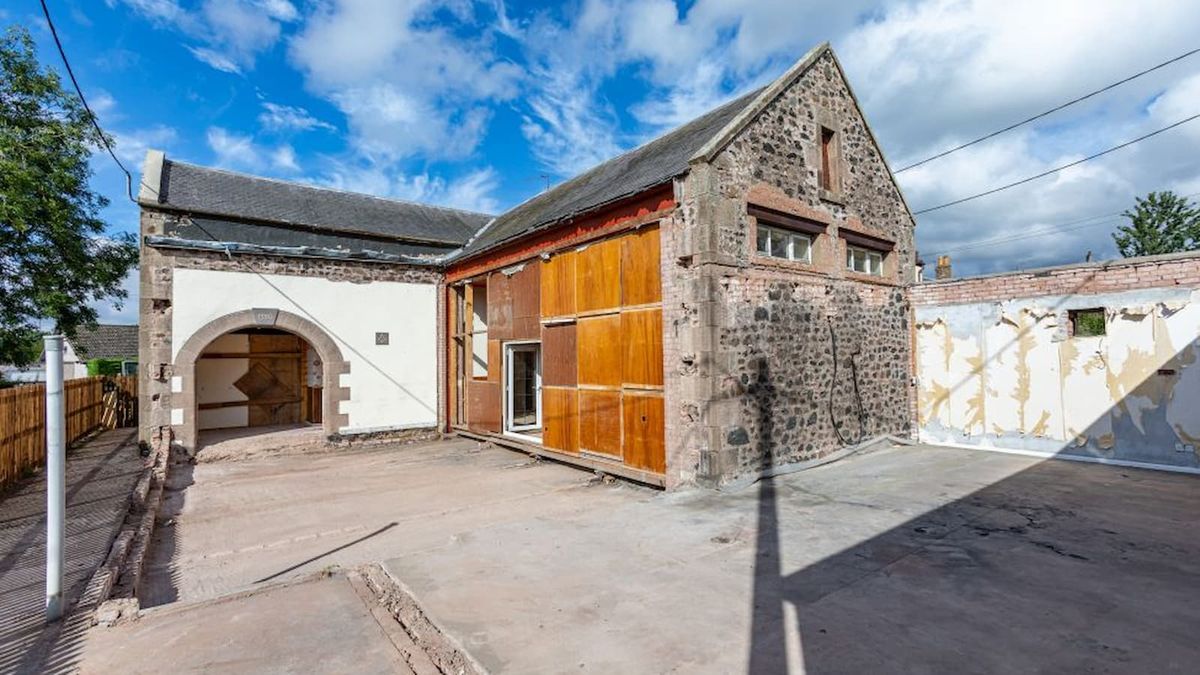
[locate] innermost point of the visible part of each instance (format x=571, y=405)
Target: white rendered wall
x=391, y=386
x=214, y=384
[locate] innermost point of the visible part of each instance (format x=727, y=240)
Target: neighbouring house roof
x=252, y=202
x=106, y=341
x=626, y=175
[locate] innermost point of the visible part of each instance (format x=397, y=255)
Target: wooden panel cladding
x=558, y=285
x=560, y=419
x=598, y=276
x=641, y=343
x=558, y=355
x=600, y=422
x=641, y=275
x=599, y=342
x=495, y=367
x=525, y=285
x=500, y=307
x=483, y=406
x=644, y=430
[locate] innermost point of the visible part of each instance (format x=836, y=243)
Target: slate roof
x=214, y=192
x=106, y=341
x=623, y=176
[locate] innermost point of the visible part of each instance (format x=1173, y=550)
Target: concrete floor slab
x=904, y=559
x=320, y=625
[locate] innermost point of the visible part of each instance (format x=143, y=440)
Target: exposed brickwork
x=1085, y=279
x=754, y=362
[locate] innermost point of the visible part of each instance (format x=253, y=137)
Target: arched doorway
x=253, y=369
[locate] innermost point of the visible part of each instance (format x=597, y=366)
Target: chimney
x=943, y=268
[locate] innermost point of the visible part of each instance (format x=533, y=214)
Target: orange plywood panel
x=643, y=419
x=558, y=355
x=560, y=419
x=499, y=306
x=598, y=340
x=641, y=347
x=641, y=275
x=600, y=422
x=598, y=276
x=483, y=406
x=558, y=285
x=525, y=285
x=495, y=366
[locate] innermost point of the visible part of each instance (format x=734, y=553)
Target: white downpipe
x=56, y=488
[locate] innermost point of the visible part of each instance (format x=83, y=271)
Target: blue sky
x=477, y=104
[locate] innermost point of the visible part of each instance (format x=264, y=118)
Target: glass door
x=523, y=387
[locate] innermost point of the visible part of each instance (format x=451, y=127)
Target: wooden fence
x=105, y=402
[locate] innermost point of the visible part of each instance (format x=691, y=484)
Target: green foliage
x=55, y=258
x=1162, y=222
x=1088, y=322
x=103, y=367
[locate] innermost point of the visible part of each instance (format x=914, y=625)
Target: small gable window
x=827, y=176
x=777, y=242
x=864, y=261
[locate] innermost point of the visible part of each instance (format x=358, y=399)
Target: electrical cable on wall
x=862, y=413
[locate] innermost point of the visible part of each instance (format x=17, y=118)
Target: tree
x=1162, y=222
x=55, y=259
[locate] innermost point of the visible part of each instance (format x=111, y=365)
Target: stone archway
x=333, y=366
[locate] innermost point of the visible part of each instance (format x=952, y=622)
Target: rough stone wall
x=755, y=362
x=155, y=304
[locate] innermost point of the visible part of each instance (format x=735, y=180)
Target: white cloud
x=407, y=86
x=231, y=33
x=284, y=159
x=282, y=118
x=131, y=146
x=215, y=59
x=240, y=152
x=473, y=191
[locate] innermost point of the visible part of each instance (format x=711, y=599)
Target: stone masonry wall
x=759, y=385
x=154, y=330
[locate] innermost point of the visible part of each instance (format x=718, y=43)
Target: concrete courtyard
x=899, y=559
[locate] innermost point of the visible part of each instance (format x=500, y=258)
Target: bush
x=104, y=367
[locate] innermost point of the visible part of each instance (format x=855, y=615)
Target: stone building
x=727, y=298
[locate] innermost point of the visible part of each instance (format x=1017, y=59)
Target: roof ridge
x=391, y=200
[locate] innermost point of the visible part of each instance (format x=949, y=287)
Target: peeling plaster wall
x=1009, y=374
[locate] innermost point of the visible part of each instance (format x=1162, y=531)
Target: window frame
x=1073, y=316
x=827, y=172
x=869, y=255
x=791, y=235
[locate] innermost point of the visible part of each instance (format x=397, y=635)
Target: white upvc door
x=522, y=386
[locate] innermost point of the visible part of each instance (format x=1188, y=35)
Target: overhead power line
x=1048, y=112
x=1078, y=224
x=1056, y=169
x=86, y=107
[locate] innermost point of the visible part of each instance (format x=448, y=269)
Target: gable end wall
x=753, y=354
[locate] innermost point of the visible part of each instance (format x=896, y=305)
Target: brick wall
x=1084, y=279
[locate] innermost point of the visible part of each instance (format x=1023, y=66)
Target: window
x=777, y=242
x=479, y=331
x=864, y=261
x=826, y=176
x=1087, y=322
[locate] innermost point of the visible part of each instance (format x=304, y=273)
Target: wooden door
x=273, y=380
